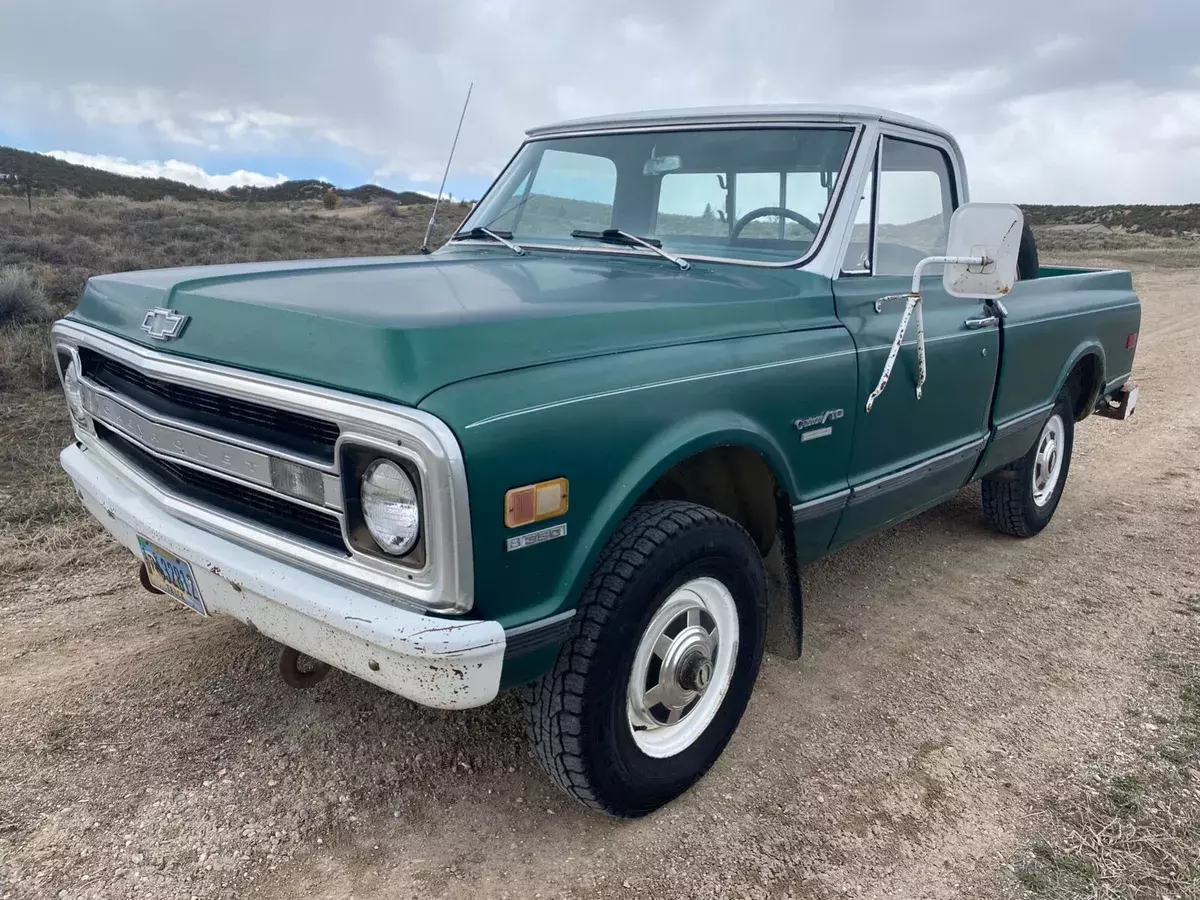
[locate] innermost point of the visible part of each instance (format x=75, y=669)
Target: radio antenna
x=437, y=200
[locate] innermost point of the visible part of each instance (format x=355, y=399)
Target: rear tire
x=678, y=597
x=1021, y=498
x=1028, y=265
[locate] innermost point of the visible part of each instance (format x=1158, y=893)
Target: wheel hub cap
x=682, y=667
x=700, y=675
x=1047, y=461
x=695, y=673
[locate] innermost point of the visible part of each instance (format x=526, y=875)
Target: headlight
x=390, y=508
x=74, y=391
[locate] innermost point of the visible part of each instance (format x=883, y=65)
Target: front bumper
x=440, y=662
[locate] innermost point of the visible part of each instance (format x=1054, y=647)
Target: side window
x=858, y=252
x=916, y=199
x=570, y=190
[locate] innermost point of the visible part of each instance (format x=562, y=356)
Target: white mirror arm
x=913, y=301
x=950, y=260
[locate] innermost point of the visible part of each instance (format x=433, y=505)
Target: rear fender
x=1087, y=347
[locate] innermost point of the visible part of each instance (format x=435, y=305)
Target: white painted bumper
x=433, y=661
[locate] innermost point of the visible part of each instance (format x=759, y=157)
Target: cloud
x=172, y=169
x=380, y=82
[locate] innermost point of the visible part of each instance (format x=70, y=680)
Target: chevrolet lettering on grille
x=174, y=442
x=163, y=324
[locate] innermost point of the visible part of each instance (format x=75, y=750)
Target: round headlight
x=390, y=508
x=74, y=391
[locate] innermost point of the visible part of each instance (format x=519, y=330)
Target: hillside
x=1164, y=221
x=52, y=176
x=311, y=189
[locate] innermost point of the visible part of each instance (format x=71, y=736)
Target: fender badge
x=808, y=426
x=163, y=324
x=521, y=541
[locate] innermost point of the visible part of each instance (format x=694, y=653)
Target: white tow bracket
x=983, y=244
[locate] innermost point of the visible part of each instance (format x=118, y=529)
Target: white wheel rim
x=1048, y=460
x=682, y=668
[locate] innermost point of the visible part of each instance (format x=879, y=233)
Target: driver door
x=908, y=454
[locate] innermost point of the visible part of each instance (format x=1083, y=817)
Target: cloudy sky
x=1053, y=100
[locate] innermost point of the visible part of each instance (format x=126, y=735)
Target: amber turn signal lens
x=535, y=502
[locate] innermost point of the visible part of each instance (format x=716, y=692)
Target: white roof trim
x=719, y=115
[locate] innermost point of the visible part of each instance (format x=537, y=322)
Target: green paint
x=609, y=369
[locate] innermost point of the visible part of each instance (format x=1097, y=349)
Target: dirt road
x=953, y=680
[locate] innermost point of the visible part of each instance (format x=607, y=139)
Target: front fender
x=611, y=426
x=657, y=456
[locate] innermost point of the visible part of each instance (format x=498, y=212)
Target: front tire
x=1021, y=498
x=660, y=662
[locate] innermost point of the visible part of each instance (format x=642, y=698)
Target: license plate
x=172, y=575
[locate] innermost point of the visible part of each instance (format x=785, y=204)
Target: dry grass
x=1131, y=828
x=1124, y=250
x=42, y=524
x=22, y=298
x=66, y=240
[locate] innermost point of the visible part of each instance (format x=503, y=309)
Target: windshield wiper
x=616, y=236
x=479, y=232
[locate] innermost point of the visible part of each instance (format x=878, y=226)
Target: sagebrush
x=22, y=297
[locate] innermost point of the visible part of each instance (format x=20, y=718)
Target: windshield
x=751, y=193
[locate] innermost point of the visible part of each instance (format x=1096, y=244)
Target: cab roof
x=725, y=115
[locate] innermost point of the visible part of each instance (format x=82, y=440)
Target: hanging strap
x=913, y=301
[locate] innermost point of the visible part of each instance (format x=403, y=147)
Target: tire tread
x=1004, y=499
x=554, y=703
x=1007, y=493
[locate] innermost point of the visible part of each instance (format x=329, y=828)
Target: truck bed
x=1101, y=278
x=1069, y=322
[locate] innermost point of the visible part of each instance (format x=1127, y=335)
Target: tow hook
x=144, y=578
x=301, y=677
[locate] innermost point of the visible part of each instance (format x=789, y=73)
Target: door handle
x=982, y=322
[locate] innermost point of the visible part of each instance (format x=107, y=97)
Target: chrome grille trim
x=260, y=480
x=233, y=440
x=227, y=414
x=198, y=448
x=445, y=583
x=259, y=508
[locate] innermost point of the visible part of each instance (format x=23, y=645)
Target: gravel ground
x=951, y=680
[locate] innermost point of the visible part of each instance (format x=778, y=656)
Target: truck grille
x=230, y=496
x=291, y=431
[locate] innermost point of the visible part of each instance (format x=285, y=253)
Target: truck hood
x=399, y=328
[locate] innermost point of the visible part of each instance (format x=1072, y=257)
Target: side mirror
x=988, y=231
x=980, y=264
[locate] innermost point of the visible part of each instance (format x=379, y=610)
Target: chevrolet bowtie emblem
x=164, y=325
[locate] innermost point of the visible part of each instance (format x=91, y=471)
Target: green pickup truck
x=586, y=446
